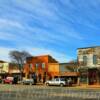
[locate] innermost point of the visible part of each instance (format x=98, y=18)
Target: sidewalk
x=84, y=86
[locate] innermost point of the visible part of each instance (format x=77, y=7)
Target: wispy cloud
x=54, y=26
x=59, y=56
x=7, y=23
x=7, y=36
x=4, y=53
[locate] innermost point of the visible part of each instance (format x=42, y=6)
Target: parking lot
x=37, y=92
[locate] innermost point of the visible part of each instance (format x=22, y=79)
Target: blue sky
x=55, y=27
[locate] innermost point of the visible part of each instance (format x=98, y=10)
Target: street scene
x=49, y=50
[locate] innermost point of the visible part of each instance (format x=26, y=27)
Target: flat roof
x=73, y=63
x=89, y=47
x=1, y=61
x=35, y=57
x=38, y=56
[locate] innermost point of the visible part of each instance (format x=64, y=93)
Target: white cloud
x=59, y=56
x=7, y=23
x=52, y=22
x=7, y=36
x=4, y=53
x=36, y=7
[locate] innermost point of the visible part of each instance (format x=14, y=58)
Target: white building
x=89, y=57
x=89, y=63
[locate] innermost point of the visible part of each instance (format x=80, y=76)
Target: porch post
x=78, y=81
x=97, y=74
x=87, y=77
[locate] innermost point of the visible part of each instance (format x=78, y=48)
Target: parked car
x=0, y=80
x=69, y=82
x=28, y=81
x=15, y=80
x=57, y=81
x=8, y=80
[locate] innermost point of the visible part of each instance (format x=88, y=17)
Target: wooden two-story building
x=89, y=63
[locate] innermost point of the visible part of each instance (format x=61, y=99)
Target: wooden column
x=87, y=77
x=98, y=78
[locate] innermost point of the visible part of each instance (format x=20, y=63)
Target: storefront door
x=92, y=75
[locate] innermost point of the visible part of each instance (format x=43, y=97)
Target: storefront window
x=94, y=59
x=37, y=66
x=84, y=59
x=30, y=65
x=83, y=79
x=43, y=65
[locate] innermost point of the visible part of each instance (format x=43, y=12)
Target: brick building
x=46, y=66
x=40, y=65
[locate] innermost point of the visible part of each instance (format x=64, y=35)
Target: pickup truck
x=57, y=81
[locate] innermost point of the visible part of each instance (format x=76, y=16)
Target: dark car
x=15, y=80
x=0, y=80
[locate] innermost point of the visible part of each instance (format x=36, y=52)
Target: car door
x=57, y=81
x=52, y=82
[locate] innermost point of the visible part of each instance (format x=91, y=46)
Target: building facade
x=69, y=71
x=53, y=69
x=47, y=67
x=8, y=69
x=4, y=68
x=89, y=63
x=43, y=67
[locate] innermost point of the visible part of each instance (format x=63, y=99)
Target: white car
x=57, y=81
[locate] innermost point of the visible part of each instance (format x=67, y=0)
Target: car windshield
x=62, y=79
x=9, y=78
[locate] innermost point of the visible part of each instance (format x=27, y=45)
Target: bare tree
x=19, y=57
x=74, y=65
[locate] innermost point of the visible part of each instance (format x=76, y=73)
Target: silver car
x=56, y=81
x=27, y=81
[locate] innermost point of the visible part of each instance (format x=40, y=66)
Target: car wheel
x=22, y=83
x=47, y=84
x=10, y=82
x=61, y=85
x=3, y=82
x=30, y=83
